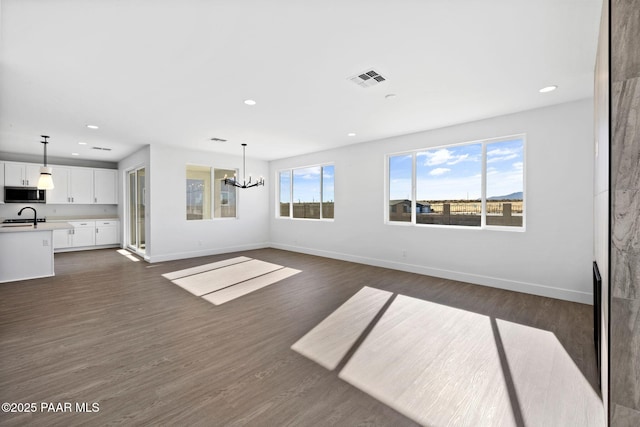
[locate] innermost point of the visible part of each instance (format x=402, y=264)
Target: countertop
x=42, y=226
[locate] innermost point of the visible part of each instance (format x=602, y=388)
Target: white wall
x=551, y=258
x=172, y=236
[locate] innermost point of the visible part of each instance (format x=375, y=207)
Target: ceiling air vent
x=367, y=78
x=101, y=148
x=218, y=140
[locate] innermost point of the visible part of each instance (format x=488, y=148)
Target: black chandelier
x=245, y=184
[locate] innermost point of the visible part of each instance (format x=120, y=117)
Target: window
x=198, y=192
x=327, y=191
x=224, y=197
x=307, y=192
x=449, y=185
x=205, y=199
x=478, y=184
x=400, y=173
x=505, y=183
x=285, y=193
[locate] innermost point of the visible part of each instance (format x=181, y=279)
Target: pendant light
x=234, y=181
x=45, y=182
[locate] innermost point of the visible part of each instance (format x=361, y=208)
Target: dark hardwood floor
x=112, y=331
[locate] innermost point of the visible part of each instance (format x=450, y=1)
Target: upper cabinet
x=71, y=185
x=105, y=186
x=76, y=185
x=21, y=174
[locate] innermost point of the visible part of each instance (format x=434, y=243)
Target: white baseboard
x=495, y=282
x=205, y=252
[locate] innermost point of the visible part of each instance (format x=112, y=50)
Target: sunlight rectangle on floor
x=202, y=268
x=441, y=365
x=213, y=280
x=331, y=339
x=248, y=286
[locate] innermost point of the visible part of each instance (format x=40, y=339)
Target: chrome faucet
x=35, y=215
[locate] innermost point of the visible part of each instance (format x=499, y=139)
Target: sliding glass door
x=136, y=206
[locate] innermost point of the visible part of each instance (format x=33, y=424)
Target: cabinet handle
x=27, y=182
x=95, y=200
x=97, y=230
x=72, y=200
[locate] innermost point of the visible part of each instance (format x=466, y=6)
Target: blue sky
x=454, y=172
x=306, y=184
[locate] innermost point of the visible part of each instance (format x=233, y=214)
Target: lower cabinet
x=87, y=234
x=107, y=232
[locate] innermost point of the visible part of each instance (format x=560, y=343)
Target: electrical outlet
x=45, y=243
x=404, y=253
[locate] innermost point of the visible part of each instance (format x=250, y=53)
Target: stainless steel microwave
x=24, y=195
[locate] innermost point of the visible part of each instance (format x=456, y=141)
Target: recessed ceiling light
x=351, y=134
x=75, y=154
x=548, y=89
x=82, y=143
x=390, y=96
x=92, y=126
x=250, y=102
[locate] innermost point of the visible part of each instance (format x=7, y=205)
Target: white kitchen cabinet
x=61, y=239
x=21, y=174
x=82, y=234
x=60, y=192
x=105, y=186
x=71, y=186
x=107, y=232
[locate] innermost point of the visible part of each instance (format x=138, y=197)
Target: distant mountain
x=512, y=196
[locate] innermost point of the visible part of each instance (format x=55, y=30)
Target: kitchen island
x=26, y=252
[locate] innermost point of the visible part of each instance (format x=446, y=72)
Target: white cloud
x=439, y=171
x=500, y=152
x=438, y=157
x=458, y=159
x=501, y=158
x=442, y=156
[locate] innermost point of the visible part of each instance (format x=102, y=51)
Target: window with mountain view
x=448, y=184
x=505, y=182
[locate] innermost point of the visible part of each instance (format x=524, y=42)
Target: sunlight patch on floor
x=128, y=255
x=440, y=365
x=226, y=280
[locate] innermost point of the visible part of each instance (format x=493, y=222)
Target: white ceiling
x=177, y=72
